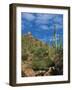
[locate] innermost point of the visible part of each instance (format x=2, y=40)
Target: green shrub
x=41, y=64
x=39, y=52
x=24, y=56
x=38, y=65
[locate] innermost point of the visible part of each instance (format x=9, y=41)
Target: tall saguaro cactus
x=55, y=38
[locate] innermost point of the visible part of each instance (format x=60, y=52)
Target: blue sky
x=42, y=25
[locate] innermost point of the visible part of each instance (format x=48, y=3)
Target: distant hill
x=32, y=40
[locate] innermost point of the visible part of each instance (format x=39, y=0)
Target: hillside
x=40, y=59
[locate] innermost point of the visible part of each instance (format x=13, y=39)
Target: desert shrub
x=39, y=52
x=41, y=60
x=33, y=49
x=41, y=63
x=49, y=62
x=38, y=65
x=60, y=51
x=24, y=56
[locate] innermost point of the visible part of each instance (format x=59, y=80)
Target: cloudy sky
x=42, y=25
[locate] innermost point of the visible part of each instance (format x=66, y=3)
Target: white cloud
x=58, y=19
x=58, y=26
x=28, y=16
x=44, y=27
x=43, y=18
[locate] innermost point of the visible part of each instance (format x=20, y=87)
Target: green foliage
x=42, y=64
x=41, y=60
x=24, y=56
x=41, y=53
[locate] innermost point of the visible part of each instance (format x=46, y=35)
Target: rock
x=51, y=71
x=40, y=73
x=28, y=72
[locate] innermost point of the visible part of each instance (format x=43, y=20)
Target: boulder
x=28, y=72
x=39, y=73
x=51, y=71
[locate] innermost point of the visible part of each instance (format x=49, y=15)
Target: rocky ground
x=57, y=69
x=28, y=72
